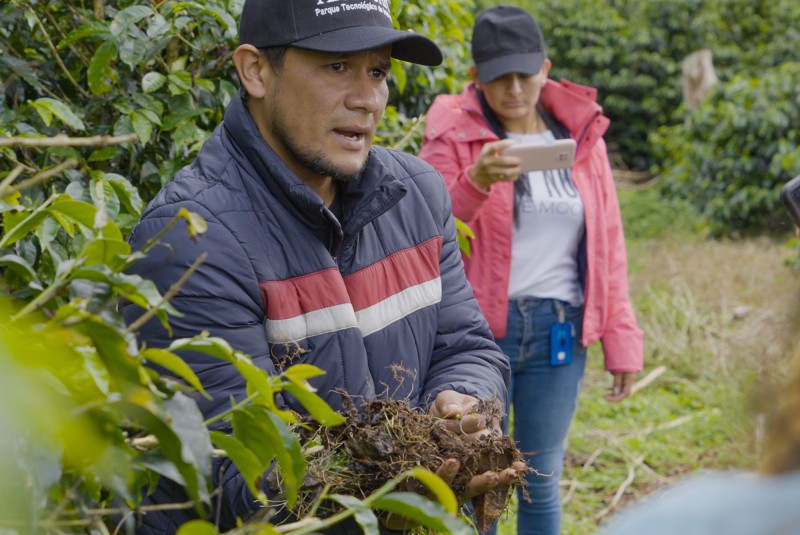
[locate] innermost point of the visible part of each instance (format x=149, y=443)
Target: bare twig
x=172, y=292
x=306, y=522
x=411, y=131
x=44, y=176
x=621, y=490
x=99, y=10
x=647, y=379
x=62, y=140
x=57, y=57
x=75, y=51
x=574, y=482
x=150, y=442
x=12, y=176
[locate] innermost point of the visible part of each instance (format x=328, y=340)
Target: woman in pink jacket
x=548, y=258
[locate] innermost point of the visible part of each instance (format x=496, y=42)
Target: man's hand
x=622, y=386
x=455, y=409
x=457, y=413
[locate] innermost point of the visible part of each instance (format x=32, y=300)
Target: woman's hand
x=622, y=386
x=492, y=167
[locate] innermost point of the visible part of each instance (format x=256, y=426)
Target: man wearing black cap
x=322, y=249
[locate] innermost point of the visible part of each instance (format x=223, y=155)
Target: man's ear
x=250, y=66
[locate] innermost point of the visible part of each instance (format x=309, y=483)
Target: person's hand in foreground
x=622, y=386
x=456, y=412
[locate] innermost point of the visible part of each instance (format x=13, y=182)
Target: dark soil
x=383, y=439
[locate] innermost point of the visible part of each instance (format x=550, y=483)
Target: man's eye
x=337, y=66
x=379, y=74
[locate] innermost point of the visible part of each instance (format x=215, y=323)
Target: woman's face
x=513, y=97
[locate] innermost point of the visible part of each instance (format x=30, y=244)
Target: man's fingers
x=482, y=483
x=470, y=427
x=448, y=470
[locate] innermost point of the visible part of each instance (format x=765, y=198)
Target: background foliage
x=632, y=52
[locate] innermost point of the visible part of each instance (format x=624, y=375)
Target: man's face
x=321, y=110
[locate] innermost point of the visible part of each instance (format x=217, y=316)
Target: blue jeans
x=544, y=399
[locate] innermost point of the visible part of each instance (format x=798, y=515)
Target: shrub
x=731, y=160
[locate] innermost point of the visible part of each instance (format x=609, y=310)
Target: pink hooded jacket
x=454, y=135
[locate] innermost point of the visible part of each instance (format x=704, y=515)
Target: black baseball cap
x=332, y=26
x=506, y=39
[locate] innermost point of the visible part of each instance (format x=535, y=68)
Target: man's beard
x=314, y=161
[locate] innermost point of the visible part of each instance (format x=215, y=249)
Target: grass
x=721, y=319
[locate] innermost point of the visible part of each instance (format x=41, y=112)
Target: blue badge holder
x=561, y=335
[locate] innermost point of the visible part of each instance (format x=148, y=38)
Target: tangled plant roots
x=383, y=438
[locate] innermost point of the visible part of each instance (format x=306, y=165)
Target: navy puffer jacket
x=286, y=283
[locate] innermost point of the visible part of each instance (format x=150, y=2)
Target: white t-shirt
x=544, y=250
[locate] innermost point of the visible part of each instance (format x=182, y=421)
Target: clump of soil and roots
x=382, y=439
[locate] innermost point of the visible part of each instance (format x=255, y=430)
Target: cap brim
x=527, y=63
x=406, y=46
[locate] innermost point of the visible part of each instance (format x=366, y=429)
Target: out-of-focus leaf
x=441, y=490
x=197, y=527
x=268, y=437
x=315, y=405
x=106, y=252
x=197, y=225
x=363, y=514
x=423, y=511
x=20, y=266
x=245, y=460
x=188, y=424
x=175, y=364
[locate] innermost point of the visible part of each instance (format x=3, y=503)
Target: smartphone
x=540, y=156
x=790, y=197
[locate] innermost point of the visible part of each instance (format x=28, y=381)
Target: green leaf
x=265, y=434
x=175, y=364
x=59, y=109
x=171, y=445
x=100, y=73
x=188, y=423
x=315, y=405
x=197, y=527
x=128, y=17
x=215, y=347
x=422, y=511
x=126, y=192
x=363, y=514
x=444, y=494
x=110, y=252
x=25, y=227
x=300, y=372
x=245, y=460
x=257, y=382
x=20, y=266
x=95, y=29
x=142, y=126
x=197, y=225
x=104, y=154
x=399, y=75
x=79, y=211
x=179, y=82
